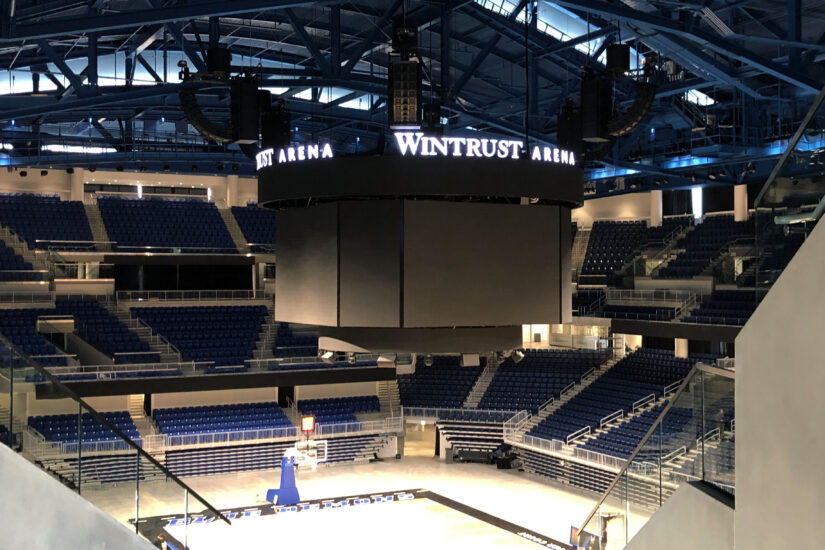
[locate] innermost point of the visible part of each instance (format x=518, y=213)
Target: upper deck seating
x=163, y=225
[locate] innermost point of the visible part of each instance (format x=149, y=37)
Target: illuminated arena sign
x=417, y=144
x=293, y=154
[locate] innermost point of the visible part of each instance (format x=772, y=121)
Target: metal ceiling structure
x=94, y=83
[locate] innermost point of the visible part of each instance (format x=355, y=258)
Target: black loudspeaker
x=219, y=62
x=276, y=128
x=404, y=94
x=244, y=96
x=569, y=129
x=596, y=107
x=618, y=58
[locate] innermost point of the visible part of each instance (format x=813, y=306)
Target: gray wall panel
x=307, y=291
x=480, y=264
x=370, y=245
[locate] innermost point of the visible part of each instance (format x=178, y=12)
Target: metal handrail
x=643, y=401
x=615, y=415
x=566, y=389
x=696, y=368
x=191, y=295
x=577, y=434
x=105, y=422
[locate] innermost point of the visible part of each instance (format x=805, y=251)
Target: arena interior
x=412, y=274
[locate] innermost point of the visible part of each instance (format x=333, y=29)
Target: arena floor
x=512, y=497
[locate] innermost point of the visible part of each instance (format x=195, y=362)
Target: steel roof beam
x=60, y=63
x=694, y=35
x=165, y=14
x=367, y=41
x=307, y=42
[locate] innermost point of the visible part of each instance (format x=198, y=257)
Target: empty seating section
x=14, y=267
x=610, y=244
x=339, y=410
x=20, y=326
x=669, y=225
x=258, y=226
x=704, y=243
x=642, y=313
x=295, y=341
x=63, y=427
x=725, y=307
x=622, y=440
x=220, y=418
x=225, y=335
x=636, y=376
x=166, y=225
x=568, y=472
x=472, y=436
x=98, y=326
x=444, y=384
x=542, y=374
x=45, y=218
x=262, y=456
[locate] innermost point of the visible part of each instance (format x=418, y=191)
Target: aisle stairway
x=234, y=230
x=389, y=397
x=481, y=385
x=98, y=227
x=22, y=249
x=552, y=407
x=266, y=336
x=580, y=249
x=168, y=354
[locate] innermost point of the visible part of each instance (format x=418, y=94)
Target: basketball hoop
x=308, y=452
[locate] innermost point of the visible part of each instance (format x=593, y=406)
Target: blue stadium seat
x=184, y=226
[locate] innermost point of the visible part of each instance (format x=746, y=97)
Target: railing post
x=79, y=444
x=137, y=490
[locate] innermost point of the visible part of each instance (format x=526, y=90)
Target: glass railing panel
x=691, y=439
x=98, y=454
x=719, y=441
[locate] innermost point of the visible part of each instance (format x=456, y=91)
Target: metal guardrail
x=670, y=388
x=515, y=424
x=122, y=439
x=615, y=415
x=644, y=401
x=558, y=448
x=436, y=413
x=190, y=295
x=156, y=443
x=577, y=434
x=566, y=389
x=26, y=297
x=629, y=464
x=103, y=370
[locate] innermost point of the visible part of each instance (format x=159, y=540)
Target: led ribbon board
x=417, y=144
x=300, y=153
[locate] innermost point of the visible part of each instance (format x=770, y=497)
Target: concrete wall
x=59, y=182
x=631, y=206
x=688, y=520
x=780, y=479
x=40, y=407
x=42, y=513
x=216, y=397
x=336, y=390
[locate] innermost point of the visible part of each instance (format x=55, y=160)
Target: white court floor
x=548, y=509
x=408, y=525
